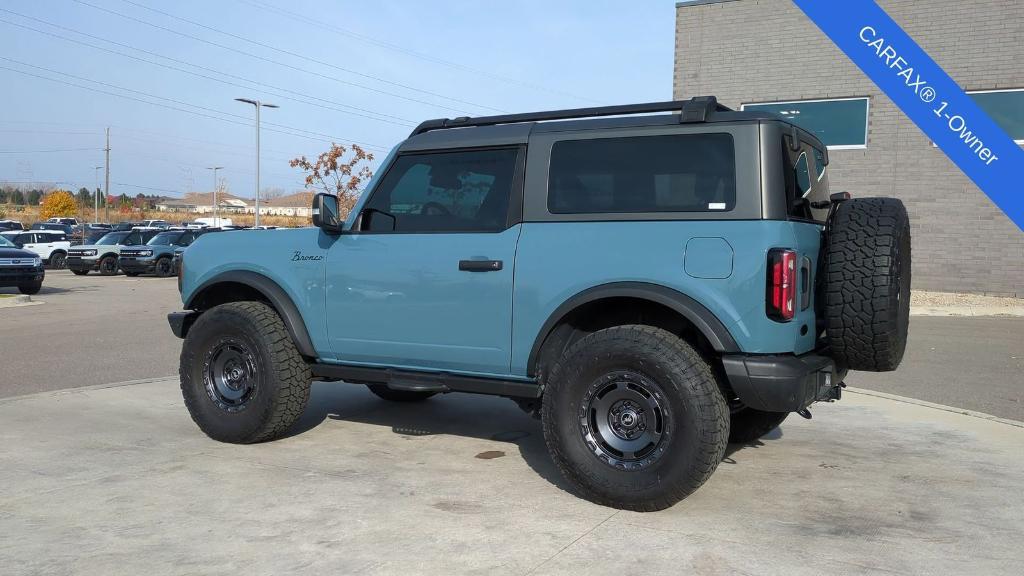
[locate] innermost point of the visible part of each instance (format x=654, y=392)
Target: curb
x=18, y=301
x=64, y=391
x=932, y=405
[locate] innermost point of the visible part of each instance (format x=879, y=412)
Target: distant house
x=298, y=204
x=202, y=203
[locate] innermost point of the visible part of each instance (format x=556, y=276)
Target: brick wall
x=765, y=50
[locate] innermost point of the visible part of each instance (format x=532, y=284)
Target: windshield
x=6, y=243
x=111, y=238
x=165, y=239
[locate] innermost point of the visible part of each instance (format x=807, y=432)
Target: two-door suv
x=653, y=280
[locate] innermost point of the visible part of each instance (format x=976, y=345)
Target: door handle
x=480, y=265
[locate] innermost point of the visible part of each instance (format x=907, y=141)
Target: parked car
x=155, y=223
x=50, y=245
x=10, y=225
x=103, y=254
x=157, y=255
x=65, y=228
x=20, y=268
x=67, y=221
x=651, y=286
x=123, y=226
x=215, y=222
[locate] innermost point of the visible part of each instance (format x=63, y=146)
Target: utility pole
x=106, y=181
x=215, y=168
x=258, y=105
x=96, y=198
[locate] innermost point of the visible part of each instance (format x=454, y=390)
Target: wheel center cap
x=628, y=418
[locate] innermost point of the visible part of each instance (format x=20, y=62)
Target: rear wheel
x=108, y=265
x=867, y=284
x=163, y=267
x=242, y=378
x=633, y=418
x=386, y=393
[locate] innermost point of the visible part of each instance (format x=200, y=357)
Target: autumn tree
x=340, y=171
x=59, y=203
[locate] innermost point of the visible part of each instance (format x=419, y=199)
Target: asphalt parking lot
x=102, y=471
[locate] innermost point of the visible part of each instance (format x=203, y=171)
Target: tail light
x=781, y=294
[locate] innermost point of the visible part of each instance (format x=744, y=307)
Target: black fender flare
x=274, y=294
x=695, y=312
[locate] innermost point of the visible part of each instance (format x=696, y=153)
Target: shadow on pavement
x=469, y=415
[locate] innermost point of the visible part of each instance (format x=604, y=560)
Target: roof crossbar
x=698, y=109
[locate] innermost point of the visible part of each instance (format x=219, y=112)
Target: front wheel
x=163, y=268
x=108, y=266
x=30, y=288
x=633, y=418
x=57, y=260
x=242, y=378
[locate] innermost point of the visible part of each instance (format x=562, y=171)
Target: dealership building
x=766, y=54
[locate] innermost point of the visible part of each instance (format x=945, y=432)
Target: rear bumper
x=783, y=383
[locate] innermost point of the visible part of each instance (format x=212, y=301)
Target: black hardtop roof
x=517, y=127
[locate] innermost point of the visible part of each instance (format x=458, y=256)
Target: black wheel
x=747, y=424
x=386, y=393
x=57, y=260
x=108, y=265
x=163, y=268
x=30, y=288
x=79, y=272
x=242, y=378
x=634, y=418
x=130, y=274
x=867, y=284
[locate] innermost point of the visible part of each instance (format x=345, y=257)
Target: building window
x=1005, y=108
x=840, y=123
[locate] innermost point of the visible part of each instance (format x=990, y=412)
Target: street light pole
x=96, y=193
x=257, y=104
x=215, y=168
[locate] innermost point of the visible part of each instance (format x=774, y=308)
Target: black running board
x=415, y=381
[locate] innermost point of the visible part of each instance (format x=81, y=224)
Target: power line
x=309, y=58
x=403, y=121
x=263, y=58
x=311, y=134
x=47, y=151
x=397, y=48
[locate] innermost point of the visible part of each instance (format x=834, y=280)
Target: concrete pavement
x=118, y=480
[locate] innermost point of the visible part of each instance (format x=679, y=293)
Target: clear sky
x=362, y=72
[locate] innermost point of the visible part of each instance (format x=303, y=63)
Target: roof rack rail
x=697, y=109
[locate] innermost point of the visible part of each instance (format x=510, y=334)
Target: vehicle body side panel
x=554, y=263
x=293, y=259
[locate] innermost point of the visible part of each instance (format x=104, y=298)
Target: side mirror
x=325, y=213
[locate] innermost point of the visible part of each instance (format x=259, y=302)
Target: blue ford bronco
x=652, y=281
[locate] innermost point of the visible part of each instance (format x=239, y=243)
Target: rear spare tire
x=867, y=284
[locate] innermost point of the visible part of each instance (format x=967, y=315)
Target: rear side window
x=671, y=173
x=446, y=192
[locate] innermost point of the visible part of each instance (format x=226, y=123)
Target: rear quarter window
x=668, y=173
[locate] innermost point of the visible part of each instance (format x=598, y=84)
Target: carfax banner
x=927, y=95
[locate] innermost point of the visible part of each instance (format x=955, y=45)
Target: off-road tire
x=30, y=288
x=106, y=267
x=695, y=417
x=79, y=272
x=867, y=284
x=57, y=260
x=382, y=391
x=163, y=268
x=282, y=376
x=747, y=424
